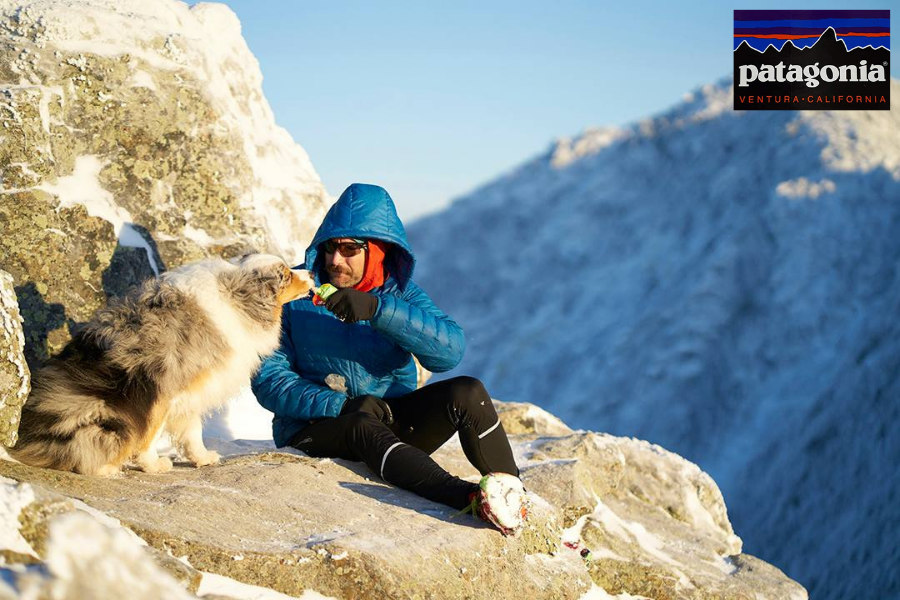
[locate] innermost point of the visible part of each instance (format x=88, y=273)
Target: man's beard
x=345, y=274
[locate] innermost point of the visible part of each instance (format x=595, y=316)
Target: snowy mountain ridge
x=876, y=148
x=722, y=283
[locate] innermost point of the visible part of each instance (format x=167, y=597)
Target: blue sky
x=431, y=100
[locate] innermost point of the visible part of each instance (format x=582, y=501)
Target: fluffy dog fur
x=161, y=358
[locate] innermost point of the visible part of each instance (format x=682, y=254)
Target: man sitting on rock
x=343, y=382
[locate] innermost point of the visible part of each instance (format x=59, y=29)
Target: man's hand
x=369, y=404
x=351, y=305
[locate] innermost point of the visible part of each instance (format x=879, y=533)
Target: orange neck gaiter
x=374, y=275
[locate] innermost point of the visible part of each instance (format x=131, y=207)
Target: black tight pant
x=423, y=421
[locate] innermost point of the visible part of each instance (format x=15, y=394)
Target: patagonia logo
x=812, y=59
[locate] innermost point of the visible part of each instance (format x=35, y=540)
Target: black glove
x=351, y=305
x=369, y=404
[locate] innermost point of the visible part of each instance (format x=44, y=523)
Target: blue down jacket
x=375, y=357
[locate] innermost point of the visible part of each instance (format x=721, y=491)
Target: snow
x=84, y=555
x=804, y=188
x=217, y=584
x=83, y=187
x=242, y=418
x=722, y=283
x=141, y=78
x=85, y=559
x=725, y=565
x=91, y=555
x=631, y=532
x=12, y=333
x=47, y=94
x=590, y=142
x=13, y=498
x=598, y=593
x=572, y=534
x=600, y=553
x=198, y=235
x=106, y=520
x=696, y=512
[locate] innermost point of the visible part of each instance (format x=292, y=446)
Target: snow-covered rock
x=655, y=524
x=723, y=283
x=85, y=559
x=87, y=554
x=15, y=377
x=134, y=136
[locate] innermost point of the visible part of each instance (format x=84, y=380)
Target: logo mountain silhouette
x=825, y=75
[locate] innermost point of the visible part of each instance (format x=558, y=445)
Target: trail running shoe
x=500, y=500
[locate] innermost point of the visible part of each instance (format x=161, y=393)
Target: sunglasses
x=345, y=249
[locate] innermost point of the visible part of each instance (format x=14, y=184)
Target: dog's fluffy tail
x=63, y=430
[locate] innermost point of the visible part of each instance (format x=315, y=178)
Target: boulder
x=15, y=377
x=82, y=555
x=135, y=137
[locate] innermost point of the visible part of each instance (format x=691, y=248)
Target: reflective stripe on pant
x=428, y=417
x=423, y=421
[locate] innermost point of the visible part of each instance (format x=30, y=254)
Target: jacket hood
x=367, y=212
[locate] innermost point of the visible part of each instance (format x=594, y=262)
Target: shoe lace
x=472, y=508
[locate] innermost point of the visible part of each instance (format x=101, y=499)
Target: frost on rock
x=85, y=559
x=137, y=138
x=15, y=378
x=13, y=498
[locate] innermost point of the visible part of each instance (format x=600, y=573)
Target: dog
x=159, y=359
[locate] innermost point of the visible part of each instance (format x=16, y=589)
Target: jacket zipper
x=352, y=392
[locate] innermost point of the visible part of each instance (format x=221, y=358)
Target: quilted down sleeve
x=415, y=324
x=281, y=390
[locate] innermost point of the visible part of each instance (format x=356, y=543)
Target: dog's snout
x=304, y=276
x=298, y=284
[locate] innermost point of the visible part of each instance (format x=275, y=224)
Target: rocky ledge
x=654, y=524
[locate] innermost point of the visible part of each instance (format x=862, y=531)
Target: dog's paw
x=209, y=457
x=109, y=470
x=162, y=464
